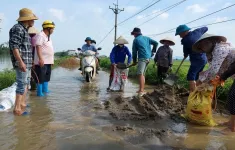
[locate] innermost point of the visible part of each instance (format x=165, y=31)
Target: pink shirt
x=41, y=40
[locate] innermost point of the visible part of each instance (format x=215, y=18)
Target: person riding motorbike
x=89, y=46
x=118, y=55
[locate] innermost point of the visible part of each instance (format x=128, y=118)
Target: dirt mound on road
x=164, y=101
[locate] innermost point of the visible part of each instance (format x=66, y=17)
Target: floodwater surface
x=73, y=117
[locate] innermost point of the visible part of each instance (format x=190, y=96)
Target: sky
x=77, y=19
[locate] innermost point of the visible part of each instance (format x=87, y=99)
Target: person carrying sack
x=118, y=55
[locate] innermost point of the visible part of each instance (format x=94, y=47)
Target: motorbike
x=89, y=68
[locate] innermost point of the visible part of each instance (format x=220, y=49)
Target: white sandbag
x=7, y=98
x=120, y=76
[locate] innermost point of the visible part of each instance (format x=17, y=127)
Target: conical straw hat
x=26, y=15
x=121, y=40
x=168, y=39
x=207, y=36
x=32, y=30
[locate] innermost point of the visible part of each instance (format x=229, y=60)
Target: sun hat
x=169, y=40
x=181, y=28
x=121, y=40
x=208, y=36
x=88, y=39
x=32, y=30
x=136, y=31
x=26, y=14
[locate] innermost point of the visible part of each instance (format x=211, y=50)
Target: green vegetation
x=7, y=78
x=61, y=54
x=151, y=75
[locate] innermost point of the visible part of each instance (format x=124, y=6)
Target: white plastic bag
x=120, y=79
x=7, y=98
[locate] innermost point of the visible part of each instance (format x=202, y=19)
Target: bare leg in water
x=17, y=110
x=23, y=101
x=142, y=83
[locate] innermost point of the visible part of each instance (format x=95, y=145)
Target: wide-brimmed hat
x=32, y=30
x=121, y=40
x=88, y=39
x=168, y=39
x=218, y=38
x=181, y=28
x=26, y=14
x=136, y=31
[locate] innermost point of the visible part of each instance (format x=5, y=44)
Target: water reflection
x=5, y=62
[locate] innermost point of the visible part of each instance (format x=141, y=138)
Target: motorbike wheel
x=88, y=76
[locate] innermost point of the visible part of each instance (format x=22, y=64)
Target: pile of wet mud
x=163, y=101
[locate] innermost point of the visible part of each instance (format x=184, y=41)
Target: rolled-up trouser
x=43, y=73
x=22, y=80
x=142, y=66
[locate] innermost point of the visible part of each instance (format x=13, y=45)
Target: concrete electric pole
x=116, y=11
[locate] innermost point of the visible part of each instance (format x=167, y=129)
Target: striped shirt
x=20, y=39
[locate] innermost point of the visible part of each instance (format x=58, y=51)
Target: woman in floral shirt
x=219, y=53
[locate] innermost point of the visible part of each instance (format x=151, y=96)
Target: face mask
x=121, y=46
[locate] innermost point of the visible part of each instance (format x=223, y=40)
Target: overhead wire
x=106, y=36
x=202, y=17
x=139, y=12
x=229, y=20
x=162, y=12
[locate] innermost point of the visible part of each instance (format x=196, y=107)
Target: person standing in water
x=32, y=33
x=21, y=56
x=44, y=57
x=118, y=55
x=142, y=48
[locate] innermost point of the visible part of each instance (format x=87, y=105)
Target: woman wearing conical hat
x=118, y=55
x=32, y=33
x=221, y=57
x=163, y=58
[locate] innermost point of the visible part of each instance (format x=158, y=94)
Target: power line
x=139, y=12
x=163, y=9
x=162, y=12
x=106, y=36
x=169, y=8
x=196, y=26
x=202, y=17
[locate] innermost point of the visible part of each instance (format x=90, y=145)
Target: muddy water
x=72, y=117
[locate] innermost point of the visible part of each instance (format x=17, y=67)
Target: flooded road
x=72, y=117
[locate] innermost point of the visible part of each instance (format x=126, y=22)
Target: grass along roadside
x=151, y=75
x=8, y=77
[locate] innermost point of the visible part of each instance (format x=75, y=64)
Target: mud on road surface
x=164, y=101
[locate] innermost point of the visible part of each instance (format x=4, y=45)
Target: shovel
x=172, y=78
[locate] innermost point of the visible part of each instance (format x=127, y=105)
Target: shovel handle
x=179, y=66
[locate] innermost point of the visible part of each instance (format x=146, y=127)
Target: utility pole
x=116, y=11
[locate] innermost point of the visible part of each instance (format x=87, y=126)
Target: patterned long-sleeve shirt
x=20, y=39
x=222, y=57
x=164, y=56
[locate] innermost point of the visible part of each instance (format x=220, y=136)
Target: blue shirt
x=118, y=55
x=142, y=47
x=188, y=41
x=86, y=47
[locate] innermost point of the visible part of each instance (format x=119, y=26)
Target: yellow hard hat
x=48, y=24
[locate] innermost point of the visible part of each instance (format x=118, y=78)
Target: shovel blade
x=171, y=79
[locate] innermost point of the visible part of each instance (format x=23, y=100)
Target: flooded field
x=74, y=117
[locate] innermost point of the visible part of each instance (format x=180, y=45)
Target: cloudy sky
x=77, y=19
